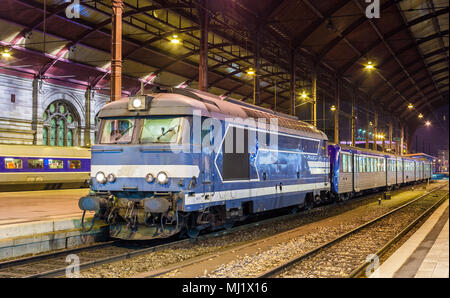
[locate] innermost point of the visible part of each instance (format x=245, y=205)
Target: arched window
x=59, y=125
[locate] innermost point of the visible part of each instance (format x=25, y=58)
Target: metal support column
x=314, y=99
x=390, y=137
x=203, y=64
x=116, y=50
x=257, y=60
x=353, y=117
x=293, y=80
x=375, y=131
x=336, y=113
x=402, y=136
x=87, y=126
x=34, y=113
x=367, y=130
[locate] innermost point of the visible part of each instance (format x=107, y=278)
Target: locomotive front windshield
x=152, y=130
x=117, y=131
x=160, y=130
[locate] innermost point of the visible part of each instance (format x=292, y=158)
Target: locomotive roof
x=186, y=101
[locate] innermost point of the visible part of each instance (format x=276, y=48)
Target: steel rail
x=358, y=271
x=313, y=251
x=136, y=252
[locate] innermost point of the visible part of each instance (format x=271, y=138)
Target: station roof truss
x=408, y=47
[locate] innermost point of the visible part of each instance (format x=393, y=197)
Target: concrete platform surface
x=30, y=206
x=39, y=221
x=425, y=254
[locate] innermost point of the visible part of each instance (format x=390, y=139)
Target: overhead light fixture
x=251, y=72
x=420, y=116
x=304, y=95
x=428, y=123
x=6, y=53
x=370, y=123
x=333, y=108
x=369, y=65
x=175, y=39
x=410, y=106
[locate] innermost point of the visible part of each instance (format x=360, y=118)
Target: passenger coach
x=354, y=170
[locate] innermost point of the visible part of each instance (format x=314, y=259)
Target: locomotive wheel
x=309, y=204
x=317, y=200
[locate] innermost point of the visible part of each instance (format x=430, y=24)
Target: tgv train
x=187, y=160
x=30, y=167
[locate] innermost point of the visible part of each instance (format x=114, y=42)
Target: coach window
x=55, y=164
x=13, y=163
x=349, y=162
x=74, y=164
x=344, y=163
x=35, y=163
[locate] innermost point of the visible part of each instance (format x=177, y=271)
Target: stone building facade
x=33, y=111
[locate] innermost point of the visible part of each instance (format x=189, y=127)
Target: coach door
x=208, y=162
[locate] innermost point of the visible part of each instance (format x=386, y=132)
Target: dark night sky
x=436, y=136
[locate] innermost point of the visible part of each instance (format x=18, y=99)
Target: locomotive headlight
x=149, y=178
x=162, y=178
x=137, y=103
x=111, y=178
x=100, y=177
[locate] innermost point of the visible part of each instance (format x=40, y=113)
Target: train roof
x=44, y=151
x=185, y=101
x=418, y=156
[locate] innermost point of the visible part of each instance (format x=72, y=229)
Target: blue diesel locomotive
x=186, y=160
x=153, y=176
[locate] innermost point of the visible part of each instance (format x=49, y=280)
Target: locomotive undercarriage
x=156, y=216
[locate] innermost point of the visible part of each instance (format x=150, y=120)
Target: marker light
x=162, y=178
x=100, y=177
x=111, y=178
x=149, y=178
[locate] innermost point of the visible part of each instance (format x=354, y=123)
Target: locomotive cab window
x=13, y=163
x=117, y=131
x=35, y=163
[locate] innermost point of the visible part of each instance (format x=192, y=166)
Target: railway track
x=349, y=254
x=54, y=264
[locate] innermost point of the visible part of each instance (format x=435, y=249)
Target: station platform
x=38, y=221
x=425, y=254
